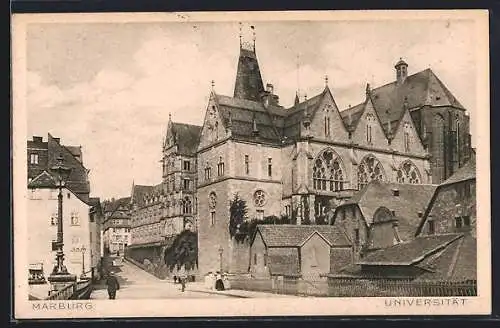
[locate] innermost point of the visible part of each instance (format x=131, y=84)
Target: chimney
x=269, y=88
x=395, y=192
x=37, y=139
x=58, y=140
x=393, y=212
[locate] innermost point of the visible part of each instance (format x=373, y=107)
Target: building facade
x=305, y=160
x=116, y=226
x=81, y=221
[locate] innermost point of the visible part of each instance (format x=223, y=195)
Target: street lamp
x=221, y=250
x=83, y=263
x=60, y=275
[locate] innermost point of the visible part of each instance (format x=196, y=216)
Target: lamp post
x=83, y=263
x=221, y=250
x=60, y=276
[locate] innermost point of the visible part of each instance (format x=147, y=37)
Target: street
x=136, y=283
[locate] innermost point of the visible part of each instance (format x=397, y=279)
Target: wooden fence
x=354, y=287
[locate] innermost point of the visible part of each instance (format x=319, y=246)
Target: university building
x=305, y=160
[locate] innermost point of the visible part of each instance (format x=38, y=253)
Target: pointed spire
x=326, y=80
x=212, y=84
x=170, y=117
x=297, y=100
x=368, y=90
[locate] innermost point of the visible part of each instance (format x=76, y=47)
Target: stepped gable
x=420, y=89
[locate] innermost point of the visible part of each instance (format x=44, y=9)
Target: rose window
x=259, y=198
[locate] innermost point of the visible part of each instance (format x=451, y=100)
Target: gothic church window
x=370, y=121
x=33, y=158
x=187, y=206
x=408, y=173
x=327, y=172
x=369, y=169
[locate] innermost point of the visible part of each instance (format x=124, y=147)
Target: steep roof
x=419, y=89
x=456, y=262
x=187, y=137
x=288, y=235
x=466, y=172
x=139, y=192
x=248, y=84
x=408, y=253
x=412, y=198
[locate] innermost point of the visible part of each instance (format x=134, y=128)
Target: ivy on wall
x=183, y=251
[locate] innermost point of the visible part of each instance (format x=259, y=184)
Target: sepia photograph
x=225, y=164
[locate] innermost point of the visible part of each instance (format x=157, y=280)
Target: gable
x=326, y=121
x=213, y=128
x=406, y=125
x=43, y=180
x=369, y=131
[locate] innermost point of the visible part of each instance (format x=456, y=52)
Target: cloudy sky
x=110, y=87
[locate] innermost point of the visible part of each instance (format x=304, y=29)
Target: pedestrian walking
x=113, y=285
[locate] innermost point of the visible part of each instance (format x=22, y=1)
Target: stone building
x=81, y=221
x=305, y=160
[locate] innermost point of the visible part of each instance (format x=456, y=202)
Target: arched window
x=408, y=173
x=369, y=169
x=187, y=205
x=407, y=141
x=370, y=121
x=327, y=172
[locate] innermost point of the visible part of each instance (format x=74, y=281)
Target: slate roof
x=466, y=172
x=77, y=181
x=413, y=198
x=419, y=89
x=187, y=137
x=283, y=261
x=408, y=253
x=139, y=192
x=456, y=262
x=289, y=235
x=114, y=206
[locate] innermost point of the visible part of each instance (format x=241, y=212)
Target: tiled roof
x=419, y=89
x=408, y=253
x=466, y=172
x=187, y=137
x=138, y=193
x=413, y=198
x=283, y=261
x=113, y=206
x=456, y=262
x=43, y=180
x=288, y=235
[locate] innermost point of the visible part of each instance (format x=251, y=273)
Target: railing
x=354, y=287
x=77, y=290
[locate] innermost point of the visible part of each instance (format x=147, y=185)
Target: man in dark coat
x=113, y=285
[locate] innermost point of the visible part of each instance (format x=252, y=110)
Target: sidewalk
x=200, y=288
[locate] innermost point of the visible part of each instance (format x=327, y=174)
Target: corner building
x=304, y=160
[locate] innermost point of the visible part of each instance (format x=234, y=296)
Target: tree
x=237, y=214
x=183, y=251
x=247, y=228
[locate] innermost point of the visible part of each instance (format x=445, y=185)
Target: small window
x=187, y=184
x=75, y=220
x=466, y=220
x=247, y=164
x=212, y=218
x=270, y=167
x=208, y=173
x=255, y=258
x=260, y=214
x=68, y=195
x=458, y=222
x=220, y=167
x=186, y=165
x=431, y=227
x=33, y=158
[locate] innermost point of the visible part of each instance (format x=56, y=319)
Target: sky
x=110, y=87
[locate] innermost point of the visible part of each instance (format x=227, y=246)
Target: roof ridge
x=454, y=258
